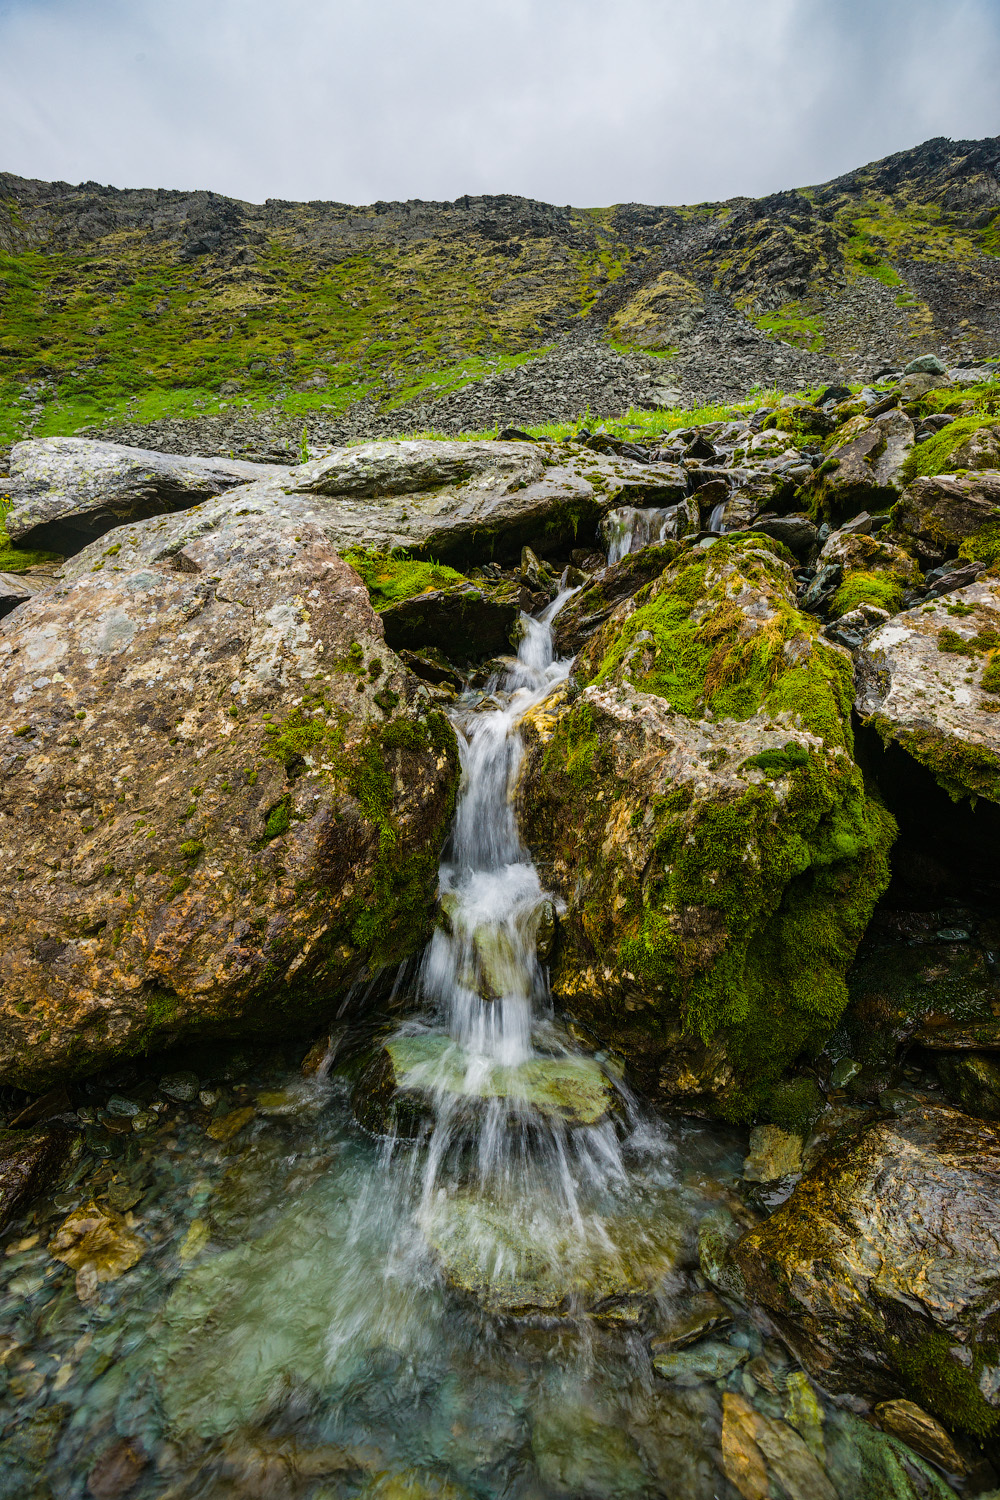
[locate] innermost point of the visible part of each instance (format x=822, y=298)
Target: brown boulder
x=222, y=796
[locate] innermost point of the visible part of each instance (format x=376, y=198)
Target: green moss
x=983, y=546
x=278, y=819
x=880, y=589
x=191, y=848
x=20, y=559
x=390, y=578
x=178, y=884
x=796, y=322
x=779, y=762
x=718, y=661
x=962, y=769
x=793, y=1104
x=933, y=456
x=984, y=640
x=946, y=1387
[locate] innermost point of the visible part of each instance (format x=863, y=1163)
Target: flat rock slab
x=417, y=1075
x=527, y=1257
x=461, y=501
x=921, y=683
x=67, y=491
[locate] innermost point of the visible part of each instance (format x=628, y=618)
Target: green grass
x=796, y=324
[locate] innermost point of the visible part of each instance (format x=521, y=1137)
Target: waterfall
x=629, y=529
x=715, y=521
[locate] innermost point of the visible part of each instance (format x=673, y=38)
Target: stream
x=486, y=1286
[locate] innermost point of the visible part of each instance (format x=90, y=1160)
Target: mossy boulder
x=698, y=808
x=427, y=605
x=874, y=572
x=930, y=680
x=882, y=1270
x=236, y=795
x=587, y=610
x=863, y=468
x=935, y=515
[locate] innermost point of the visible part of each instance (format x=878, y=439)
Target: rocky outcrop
x=222, y=798
x=881, y=1270
x=937, y=514
x=65, y=492
x=929, y=679
x=462, y=501
x=697, y=807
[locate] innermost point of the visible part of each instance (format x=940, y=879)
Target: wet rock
x=692, y=1319
x=465, y=622
x=704, y=1361
x=193, y=749
x=871, y=1465
x=227, y=1126
x=413, y=1075
x=913, y=1426
x=971, y=1080
x=577, y=1454
x=29, y=1160
x=875, y=572
x=456, y=501
x=118, y=1470
x=755, y=1448
x=863, y=470
x=881, y=1270
x=97, y=1244
x=583, y=614
x=937, y=513
x=411, y=1484
x=517, y=1261
x=797, y=533
x=926, y=681
x=631, y=794
x=182, y=1087
x=67, y=491
x=774, y=1153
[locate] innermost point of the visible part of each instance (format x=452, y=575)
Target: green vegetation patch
x=933, y=456
x=392, y=577
x=798, y=323
x=862, y=587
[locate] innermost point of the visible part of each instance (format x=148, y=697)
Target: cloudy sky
x=573, y=101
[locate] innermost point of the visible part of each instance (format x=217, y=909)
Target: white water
x=629, y=529
x=715, y=521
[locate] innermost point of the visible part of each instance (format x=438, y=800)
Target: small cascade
x=629, y=529
x=715, y=521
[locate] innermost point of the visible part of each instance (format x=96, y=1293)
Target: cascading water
x=630, y=528
x=715, y=520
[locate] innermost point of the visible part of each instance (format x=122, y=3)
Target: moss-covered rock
x=881, y=1270
x=659, y=315
x=936, y=515
x=589, y=609
x=427, y=605
x=863, y=468
x=930, y=680
x=875, y=572
x=698, y=808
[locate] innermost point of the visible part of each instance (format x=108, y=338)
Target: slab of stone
x=67, y=491
x=774, y=1153
x=915, y=1427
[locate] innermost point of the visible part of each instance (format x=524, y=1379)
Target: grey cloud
x=576, y=101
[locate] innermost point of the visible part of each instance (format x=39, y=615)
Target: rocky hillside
x=135, y=311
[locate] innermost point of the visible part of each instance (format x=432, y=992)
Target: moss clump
x=880, y=589
x=932, y=457
x=793, y=1104
x=983, y=546
x=946, y=1387
x=392, y=577
x=779, y=762
x=691, y=641
x=278, y=819
x=960, y=645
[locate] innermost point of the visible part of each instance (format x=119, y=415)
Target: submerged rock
x=908, y=1422
x=67, y=491
x=755, y=1448
x=413, y=1076
x=704, y=1361
x=236, y=795
x=883, y=1268
x=520, y=1258
x=698, y=809
x=929, y=680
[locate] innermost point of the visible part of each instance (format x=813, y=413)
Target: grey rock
x=925, y=364
x=705, y=1361
x=938, y=512
x=920, y=683
x=67, y=491
x=477, y=500
x=15, y=589
x=797, y=533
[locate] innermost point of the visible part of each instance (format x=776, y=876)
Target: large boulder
x=936, y=514
x=874, y=571
x=864, y=465
x=587, y=610
x=457, y=501
x=929, y=679
x=697, y=806
x=660, y=314
x=882, y=1270
x=65, y=492
x=222, y=799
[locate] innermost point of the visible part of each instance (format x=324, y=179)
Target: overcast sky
x=573, y=101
